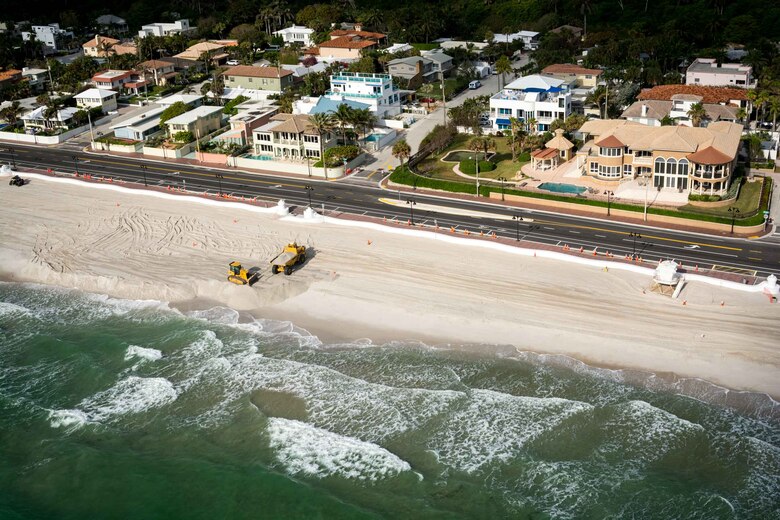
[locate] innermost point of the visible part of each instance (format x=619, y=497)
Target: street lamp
x=609, y=195
x=502, y=180
x=517, y=219
x=309, y=188
x=308, y=165
x=734, y=212
x=76, y=163
x=411, y=203
x=219, y=177
x=143, y=169
x=633, y=247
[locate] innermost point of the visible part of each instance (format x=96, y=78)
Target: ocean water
x=125, y=409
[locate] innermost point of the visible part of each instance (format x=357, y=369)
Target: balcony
x=703, y=174
x=353, y=95
x=643, y=161
x=294, y=142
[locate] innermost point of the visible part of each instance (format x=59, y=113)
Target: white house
x=36, y=118
x=541, y=98
x=166, y=29
x=530, y=38
x=296, y=34
x=290, y=136
x=53, y=38
x=707, y=71
x=140, y=127
x=397, y=47
x=97, y=97
x=201, y=121
x=375, y=90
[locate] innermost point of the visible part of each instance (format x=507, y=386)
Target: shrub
x=183, y=137
x=469, y=168
x=174, y=110
x=403, y=175
x=335, y=156
x=230, y=107
x=524, y=157
x=703, y=198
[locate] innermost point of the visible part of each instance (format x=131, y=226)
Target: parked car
x=232, y=62
x=474, y=85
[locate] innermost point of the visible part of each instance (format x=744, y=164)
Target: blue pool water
x=373, y=138
x=562, y=188
x=260, y=157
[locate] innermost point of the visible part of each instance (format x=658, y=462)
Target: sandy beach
x=363, y=283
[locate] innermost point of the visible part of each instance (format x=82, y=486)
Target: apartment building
x=707, y=71
x=201, y=121
x=97, y=97
x=680, y=158
x=290, y=136
x=258, y=78
x=375, y=90
x=535, y=98
x=51, y=36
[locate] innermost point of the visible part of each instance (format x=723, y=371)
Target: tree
x=343, y=117
x=176, y=109
x=401, y=150
x=667, y=120
x=218, y=88
x=205, y=88
x=774, y=110
x=184, y=136
x=322, y=124
x=503, y=67
x=697, y=114
x=12, y=113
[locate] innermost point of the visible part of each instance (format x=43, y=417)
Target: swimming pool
x=562, y=188
x=372, y=138
x=260, y=157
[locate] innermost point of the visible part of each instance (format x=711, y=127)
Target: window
x=609, y=171
x=660, y=165
x=545, y=113
x=311, y=138
x=594, y=167
x=671, y=167
x=231, y=78
x=611, y=152
x=627, y=170
x=251, y=80
x=265, y=81
x=505, y=111
x=588, y=76
x=312, y=153
x=682, y=167
x=266, y=148
x=263, y=137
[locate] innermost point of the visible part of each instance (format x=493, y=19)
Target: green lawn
x=747, y=202
x=425, y=46
x=434, y=167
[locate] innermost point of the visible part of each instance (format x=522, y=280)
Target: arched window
x=671, y=167
x=682, y=167
x=659, y=165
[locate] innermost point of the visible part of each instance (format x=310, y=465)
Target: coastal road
x=745, y=257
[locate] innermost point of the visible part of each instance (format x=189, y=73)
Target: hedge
x=404, y=176
x=335, y=156
x=468, y=167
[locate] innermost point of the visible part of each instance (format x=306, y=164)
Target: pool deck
x=628, y=190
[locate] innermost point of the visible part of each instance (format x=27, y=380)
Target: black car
x=16, y=181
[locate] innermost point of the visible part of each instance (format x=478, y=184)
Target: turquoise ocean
x=130, y=409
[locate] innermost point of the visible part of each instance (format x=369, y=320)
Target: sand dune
x=395, y=287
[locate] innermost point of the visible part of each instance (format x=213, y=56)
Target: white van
x=474, y=85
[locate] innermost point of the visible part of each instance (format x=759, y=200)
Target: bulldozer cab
x=235, y=268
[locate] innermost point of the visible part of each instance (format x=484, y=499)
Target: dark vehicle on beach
x=16, y=181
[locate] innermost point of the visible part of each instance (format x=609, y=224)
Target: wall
x=121, y=148
x=288, y=167
x=168, y=153
x=651, y=218
x=40, y=139
x=391, y=123
x=212, y=158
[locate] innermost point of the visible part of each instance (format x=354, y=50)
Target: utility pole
x=91, y=134
x=443, y=97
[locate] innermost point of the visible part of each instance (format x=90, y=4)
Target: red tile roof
x=708, y=94
x=544, y=153
x=610, y=142
x=363, y=34
x=568, y=68
x=346, y=42
x=13, y=74
x=709, y=155
x=95, y=41
x=256, y=72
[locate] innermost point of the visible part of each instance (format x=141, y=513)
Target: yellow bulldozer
x=240, y=276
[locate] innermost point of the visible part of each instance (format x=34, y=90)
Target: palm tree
x=503, y=67
x=697, y=114
x=531, y=125
x=774, y=110
x=218, y=88
x=584, y=10
x=11, y=113
x=322, y=124
x=514, y=126
x=344, y=117
x=104, y=48
x=742, y=115
x=401, y=150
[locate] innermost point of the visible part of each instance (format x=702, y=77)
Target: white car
x=232, y=62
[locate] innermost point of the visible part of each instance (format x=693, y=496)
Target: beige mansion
x=681, y=158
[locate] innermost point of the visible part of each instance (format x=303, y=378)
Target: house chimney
x=644, y=110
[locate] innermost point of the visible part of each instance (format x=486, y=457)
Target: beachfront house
x=678, y=158
x=37, y=120
x=375, y=90
x=199, y=121
x=97, y=98
x=112, y=79
x=296, y=34
x=653, y=111
x=290, y=136
x=707, y=71
x=257, y=78
x=140, y=127
x=536, y=101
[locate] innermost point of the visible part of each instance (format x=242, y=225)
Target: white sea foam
x=142, y=353
x=221, y=315
x=306, y=450
x=128, y=396
x=67, y=418
x=493, y=427
x=7, y=308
